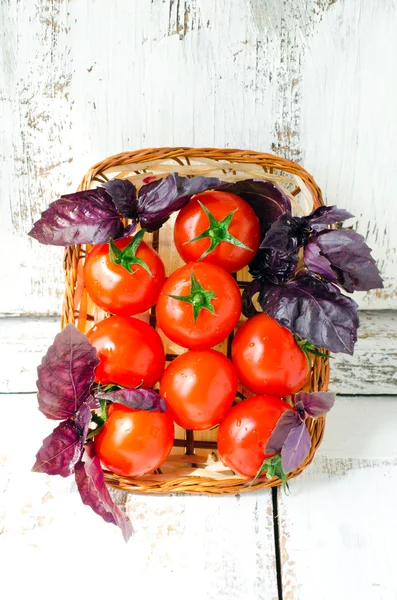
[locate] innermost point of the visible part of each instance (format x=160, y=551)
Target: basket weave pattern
x=194, y=465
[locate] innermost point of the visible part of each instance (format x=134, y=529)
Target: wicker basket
x=194, y=465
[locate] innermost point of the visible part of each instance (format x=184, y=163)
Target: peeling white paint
x=182, y=545
x=349, y=122
x=300, y=78
x=372, y=369
x=338, y=529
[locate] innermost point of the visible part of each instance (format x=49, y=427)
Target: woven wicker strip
x=194, y=465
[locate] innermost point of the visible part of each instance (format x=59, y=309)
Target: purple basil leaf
x=295, y=448
x=267, y=199
x=83, y=418
x=315, y=404
x=93, y=491
x=130, y=229
x=317, y=263
x=61, y=450
x=88, y=217
x=350, y=258
x=300, y=409
x=66, y=374
x=273, y=265
x=158, y=199
x=313, y=309
x=136, y=398
x=287, y=234
x=323, y=216
x=286, y=422
x=124, y=196
x=92, y=402
x=253, y=288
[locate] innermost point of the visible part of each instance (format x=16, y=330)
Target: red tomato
x=245, y=430
x=268, y=359
x=134, y=442
x=199, y=305
x=131, y=352
x=114, y=289
x=230, y=226
x=199, y=387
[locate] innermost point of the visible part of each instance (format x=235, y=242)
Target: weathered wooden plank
x=266, y=76
x=363, y=427
x=198, y=547
x=338, y=525
x=347, y=126
x=338, y=530
x=372, y=369
x=23, y=343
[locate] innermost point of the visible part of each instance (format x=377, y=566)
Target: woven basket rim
x=320, y=372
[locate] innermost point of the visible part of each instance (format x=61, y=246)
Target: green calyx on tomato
x=98, y=420
x=308, y=348
x=199, y=297
x=127, y=257
x=217, y=232
x=273, y=468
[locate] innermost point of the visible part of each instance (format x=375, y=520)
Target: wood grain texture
x=372, y=369
x=328, y=533
x=338, y=530
x=328, y=524
x=349, y=78
x=338, y=525
x=181, y=545
x=79, y=82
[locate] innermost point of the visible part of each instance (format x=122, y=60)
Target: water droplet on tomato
x=251, y=344
x=238, y=422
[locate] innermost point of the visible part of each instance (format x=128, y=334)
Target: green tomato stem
x=126, y=258
x=199, y=297
x=308, y=349
x=94, y=432
x=273, y=468
x=217, y=232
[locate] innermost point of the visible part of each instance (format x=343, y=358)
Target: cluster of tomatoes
x=197, y=307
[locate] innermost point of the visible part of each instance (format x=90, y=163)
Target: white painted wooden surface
x=312, y=80
x=339, y=524
x=198, y=547
x=337, y=527
x=372, y=369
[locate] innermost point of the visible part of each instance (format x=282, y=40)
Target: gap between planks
x=218, y=543
x=371, y=371
x=325, y=516
x=338, y=525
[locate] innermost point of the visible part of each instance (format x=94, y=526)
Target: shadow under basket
x=194, y=465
